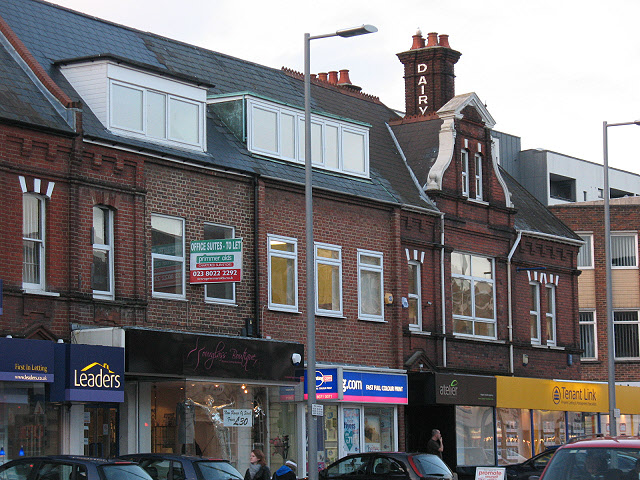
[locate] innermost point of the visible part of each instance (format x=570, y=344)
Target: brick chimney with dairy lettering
x=428, y=74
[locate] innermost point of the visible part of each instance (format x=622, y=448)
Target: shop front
x=534, y=414
x=216, y=396
x=50, y=393
x=360, y=410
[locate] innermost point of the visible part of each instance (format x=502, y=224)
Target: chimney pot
x=432, y=40
x=418, y=40
x=344, y=77
x=333, y=77
x=444, y=41
x=322, y=76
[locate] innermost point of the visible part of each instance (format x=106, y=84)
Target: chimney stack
x=428, y=74
x=333, y=77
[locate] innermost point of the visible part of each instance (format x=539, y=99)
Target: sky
x=549, y=71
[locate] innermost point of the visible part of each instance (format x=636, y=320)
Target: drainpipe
x=256, y=253
x=509, y=300
x=443, y=294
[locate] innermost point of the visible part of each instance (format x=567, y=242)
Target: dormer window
x=276, y=130
x=137, y=104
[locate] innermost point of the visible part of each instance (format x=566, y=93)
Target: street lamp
x=312, y=431
x=613, y=427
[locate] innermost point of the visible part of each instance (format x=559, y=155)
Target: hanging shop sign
x=366, y=387
x=25, y=360
x=183, y=354
x=216, y=261
x=93, y=373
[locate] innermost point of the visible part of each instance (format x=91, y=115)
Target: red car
x=595, y=458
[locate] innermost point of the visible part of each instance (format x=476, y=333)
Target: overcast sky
x=549, y=71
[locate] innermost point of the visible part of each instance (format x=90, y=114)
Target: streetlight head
x=355, y=31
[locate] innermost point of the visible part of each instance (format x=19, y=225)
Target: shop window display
x=474, y=435
x=351, y=425
x=378, y=429
x=548, y=429
x=28, y=424
x=283, y=427
x=513, y=435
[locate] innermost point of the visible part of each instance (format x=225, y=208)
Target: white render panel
x=91, y=83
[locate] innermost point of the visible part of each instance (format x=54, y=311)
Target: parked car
x=164, y=466
x=533, y=466
x=602, y=458
x=70, y=467
x=382, y=465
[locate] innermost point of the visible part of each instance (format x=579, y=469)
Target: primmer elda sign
x=174, y=353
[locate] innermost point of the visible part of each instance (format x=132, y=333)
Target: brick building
x=121, y=148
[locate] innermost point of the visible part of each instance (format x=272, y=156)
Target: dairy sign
x=421, y=88
x=216, y=261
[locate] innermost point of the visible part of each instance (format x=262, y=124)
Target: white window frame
x=626, y=322
x=593, y=327
x=287, y=255
x=167, y=139
x=417, y=296
x=173, y=258
x=551, y=316
x=472, y=318
x=362, y=267
x=588, y=239
x=635, y=250
x=226, y=301
x=324, y=122
x=41, y=242
x=109, y=249
x=464, y=159
x=535, y=313
x=333, y=263
x=478, y=162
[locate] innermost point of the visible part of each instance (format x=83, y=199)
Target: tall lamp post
x=611, y=366
x=312, y=430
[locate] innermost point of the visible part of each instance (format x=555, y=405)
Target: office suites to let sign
x=216, y=261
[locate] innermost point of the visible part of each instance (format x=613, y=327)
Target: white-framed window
x=33, y=242
x=328, y=279
x=550, y=314
x=370, y=286
x=415, y=295
x=473, y=295
x=534, y=312
x=283, y=273
x=588, y=337
x=464, y=168
x=626, y=334
x=219, y=292
x=167, y=257
x=624, y=250
x=336, y=145
x=159, y=115
x=478, y=162
x=585, y=254
x=102, y=270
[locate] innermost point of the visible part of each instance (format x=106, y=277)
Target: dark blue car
x=164, y=466
x=71, y=467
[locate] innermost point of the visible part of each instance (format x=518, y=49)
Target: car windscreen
x=592, y=463
x=124, y=471
x=428, y=464
x=217, y=470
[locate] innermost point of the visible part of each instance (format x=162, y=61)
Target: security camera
x=296, y=358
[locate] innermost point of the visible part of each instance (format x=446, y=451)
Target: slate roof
x=53, y=34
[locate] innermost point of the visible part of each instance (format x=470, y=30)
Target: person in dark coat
x=286, y=472
x=434, y=445
x=258, y=469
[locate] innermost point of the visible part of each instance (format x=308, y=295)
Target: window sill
x=42, y=293
x=155, y=296
x=338, y=316
x=473, y=338
x=479, y=201
x=210, y=301
x=373, y=320
x=99, y=296
x=547, y=347
x=416, y=331
x=275, y=308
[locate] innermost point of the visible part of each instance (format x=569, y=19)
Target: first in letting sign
x=216, y=261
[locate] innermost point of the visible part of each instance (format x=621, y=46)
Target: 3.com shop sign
x=216, y=261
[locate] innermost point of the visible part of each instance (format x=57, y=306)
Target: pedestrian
x=434, y=445
x=286, y=472
x=258, y=469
